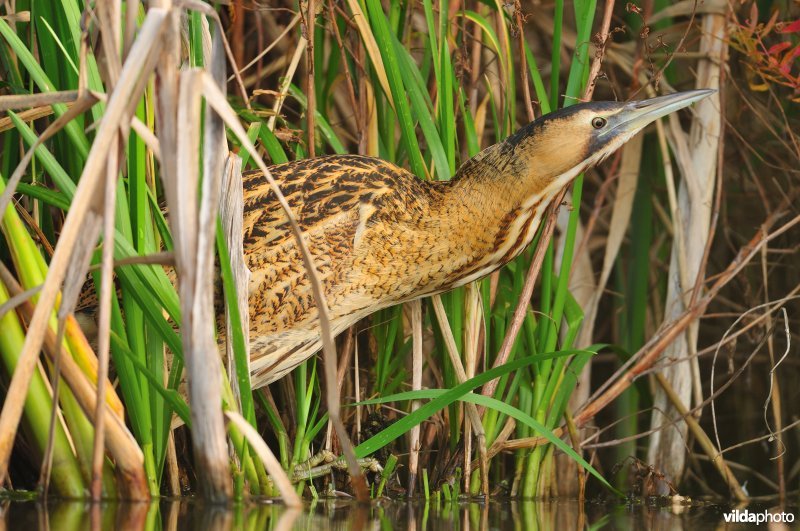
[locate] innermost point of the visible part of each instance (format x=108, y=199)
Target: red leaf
x=778, y=48
x=789, y=56
x=791, y=27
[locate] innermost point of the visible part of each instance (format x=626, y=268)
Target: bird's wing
x=318, y=190
x=333, y=198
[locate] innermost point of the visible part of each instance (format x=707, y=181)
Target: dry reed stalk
x=311, y=91
x=473, y=310
x=196, y=233
x=697, y=159
x=231, y=215
x=42, y=99
x=416, y=385
x=287, y=81
x=109, y=17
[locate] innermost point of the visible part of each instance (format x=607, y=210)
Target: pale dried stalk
x=698, y=167
x=472, y=333
x=416, y=385
x=109, y=15
x=42, y=99
x=141, y=61
x=311, y=93
x=231, y=214
x=200, y=350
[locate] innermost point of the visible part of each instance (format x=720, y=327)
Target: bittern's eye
x=598, y=123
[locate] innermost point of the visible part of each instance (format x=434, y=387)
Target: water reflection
x=171, y=515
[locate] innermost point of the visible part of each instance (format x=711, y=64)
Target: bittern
x=381, y=236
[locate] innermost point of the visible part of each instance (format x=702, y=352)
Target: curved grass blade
x=400, y=427
x=502, y=407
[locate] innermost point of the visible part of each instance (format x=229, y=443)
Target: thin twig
x=594, y=71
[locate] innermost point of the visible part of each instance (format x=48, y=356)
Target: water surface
x=343, y=514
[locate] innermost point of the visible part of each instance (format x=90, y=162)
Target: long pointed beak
x=637, y=114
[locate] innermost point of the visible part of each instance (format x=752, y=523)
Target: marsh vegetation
x=644, y=344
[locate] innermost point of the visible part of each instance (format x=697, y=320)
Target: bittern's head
x=550, y=151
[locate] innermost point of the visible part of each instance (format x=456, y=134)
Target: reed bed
x=603, y=347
